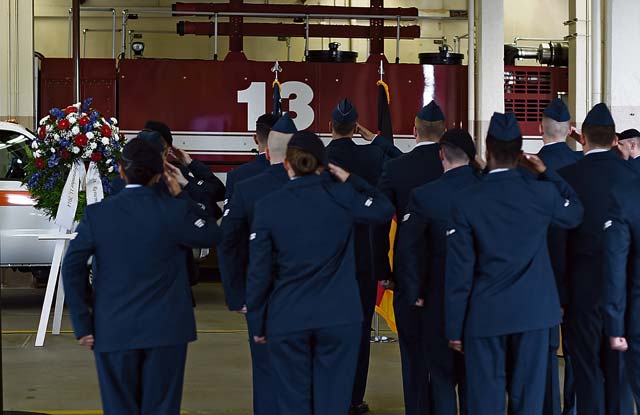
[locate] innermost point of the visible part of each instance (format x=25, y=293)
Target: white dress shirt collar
x=498, y=170
x=596, y=151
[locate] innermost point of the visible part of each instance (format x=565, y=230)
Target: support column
x=490, y=65
x=579, y=62
x=622, y=64
x=16, y=67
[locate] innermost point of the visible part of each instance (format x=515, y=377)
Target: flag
x=385, y=128
x=277, y=101
x=384, y=300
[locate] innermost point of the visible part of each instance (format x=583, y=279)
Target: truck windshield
x=13, y=155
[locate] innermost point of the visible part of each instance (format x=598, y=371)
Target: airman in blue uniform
x=256, y=166
x=555, y=154
x=140, y=317
x=500, y=294
x=399, y=177
x=601, y=385
x=629, y=147
x=621, y=303
x=366, y=162
x=233, y=251
x=302, y=293
x=420, y=266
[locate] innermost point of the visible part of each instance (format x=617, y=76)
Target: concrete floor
x=60, y=378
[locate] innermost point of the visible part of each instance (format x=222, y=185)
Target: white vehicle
x=20, y=222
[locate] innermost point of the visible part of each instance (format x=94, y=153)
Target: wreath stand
x=61, y=239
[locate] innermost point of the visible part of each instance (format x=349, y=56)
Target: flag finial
x=276, y=68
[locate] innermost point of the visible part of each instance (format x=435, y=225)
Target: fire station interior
x=475, y=56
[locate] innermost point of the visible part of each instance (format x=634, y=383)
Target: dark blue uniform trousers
x=314, y=369
x=415, y=376
x=368, y=293
x=552, y=389
x=446, y=371
x=569, y=390
x=143, y=381
x=486, y=362
x=264, y=400
x=596, y=364
x=632, y=361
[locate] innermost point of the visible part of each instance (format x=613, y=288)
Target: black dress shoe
x=359, y=409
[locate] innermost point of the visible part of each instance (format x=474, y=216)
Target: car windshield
x=13, y=155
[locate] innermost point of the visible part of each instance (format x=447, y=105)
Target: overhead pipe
x=536, y=39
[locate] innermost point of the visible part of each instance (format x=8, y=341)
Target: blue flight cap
x=344, y=113
x=310, y=143
x=599, y=115
x=557, y=110
x=431, y=112
x=627, y=134
x=504, y=127
x=285, y=125
x=154, y=138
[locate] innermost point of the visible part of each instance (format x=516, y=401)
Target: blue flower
x=58, y=113
x=93, y=116
x=86, y=104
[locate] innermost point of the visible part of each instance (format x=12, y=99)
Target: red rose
x=84, y=121
x=70, y=110
x=96, y=156
x=39, y=163
x=64, y=154
x=42, y=132
x=80, y=140
x=63, y=124
x=106, y=131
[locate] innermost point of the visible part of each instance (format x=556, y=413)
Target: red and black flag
x=277, y=99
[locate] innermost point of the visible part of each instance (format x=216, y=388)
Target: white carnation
x=108, y=161
x=77, y=105
x=110, y=169
x=72, y=119
x=56, y=137
x=49, y=128
x=34, y=145
x=116, y=137
x=114, y=121
x=75, y=150
x=44, y=120
x=105, y=141
x=90, y=135
x=53, y=150
x=96, y=124
x=87, y=153
x=75, y=130
x=93, y=146
x=37, y=154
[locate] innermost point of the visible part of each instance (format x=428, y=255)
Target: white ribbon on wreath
x=79, y=179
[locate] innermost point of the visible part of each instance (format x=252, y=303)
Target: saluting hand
x=181, y=156
x=87, y=341
x=171, y=180
x=338, y=172
x=532, y=163
x=456, y=345
x=366, y=134
x=618, y=344
x=575, y=134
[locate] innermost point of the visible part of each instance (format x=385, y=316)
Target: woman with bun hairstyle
x=302, y=294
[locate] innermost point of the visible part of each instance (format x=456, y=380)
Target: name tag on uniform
x=608, y=224
x=252, y=236
x=450, y=232
x=369, y=202
x=202, y=206
x=406, y=217
x=200, y=223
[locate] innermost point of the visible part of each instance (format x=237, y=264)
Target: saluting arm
x=388, y=148
x=197, y=228
x=233, y=252
x=459, y=275
x=380, y=234
x=567, y=208
x=260, y=275
x=617, y=241
x=410, y=258
x=75, y=278
x=369, y=205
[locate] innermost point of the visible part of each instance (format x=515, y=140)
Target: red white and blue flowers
x=76, y=135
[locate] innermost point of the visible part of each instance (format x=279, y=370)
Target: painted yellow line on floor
x=71, y=332
x=79, y=412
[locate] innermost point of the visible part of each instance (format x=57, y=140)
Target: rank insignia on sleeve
x=566, y=203
x=608, y=224
x=226, y=212
x=369, y=202
x=406, y=217
x=200, y=223
x=200, y=182
x=450, y=232
x=252, y=236
x=191, y=174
